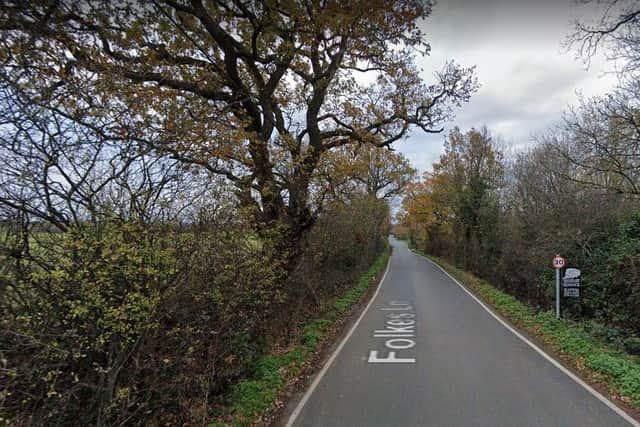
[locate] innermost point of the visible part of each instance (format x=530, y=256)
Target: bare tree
x=600, y=138
x=58, y=171
x=617, y=31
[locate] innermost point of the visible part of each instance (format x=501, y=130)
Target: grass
x=618, y=371
x=255, y=397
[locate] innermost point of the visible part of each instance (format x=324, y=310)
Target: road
x=453, y=364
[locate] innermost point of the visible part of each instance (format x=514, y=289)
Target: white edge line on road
x=554, y=362
x=327, y=365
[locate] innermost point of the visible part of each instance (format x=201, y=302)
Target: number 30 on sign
x=559, y=262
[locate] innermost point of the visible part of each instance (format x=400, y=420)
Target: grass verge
x=603, y=365
x=251, y=399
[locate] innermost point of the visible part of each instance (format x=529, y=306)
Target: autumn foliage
x=504, y=218
x=257, y=93
x=183, y=183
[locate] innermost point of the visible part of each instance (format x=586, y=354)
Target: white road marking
x=327, y=365
x=391, y=358
x=554, y=362
x=399, y=334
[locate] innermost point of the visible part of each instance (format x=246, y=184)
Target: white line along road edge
x=327, y=365
x=554, y=362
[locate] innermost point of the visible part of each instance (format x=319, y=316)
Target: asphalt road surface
x=427, y=354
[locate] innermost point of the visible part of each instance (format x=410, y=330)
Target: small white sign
x=572, y=273
x=572, y=292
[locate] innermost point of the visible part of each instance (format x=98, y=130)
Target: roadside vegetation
x=129, y=320
x=505, y=219
x=579, y=343
x=502, y=216
x=254, y=397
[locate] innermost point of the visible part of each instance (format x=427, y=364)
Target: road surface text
x=398, y=334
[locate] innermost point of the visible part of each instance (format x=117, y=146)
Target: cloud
x=527, y=76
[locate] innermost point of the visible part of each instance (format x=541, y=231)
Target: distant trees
x=381, y=173
x=460, y=199
x=503, y=218
x=422, y=218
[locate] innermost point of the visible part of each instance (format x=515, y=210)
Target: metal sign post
x=558, y=263
x=557, y=293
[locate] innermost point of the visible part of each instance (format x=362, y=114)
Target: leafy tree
x=382, y=174
x=455, y=210
x=470, y=172
x=256, y=92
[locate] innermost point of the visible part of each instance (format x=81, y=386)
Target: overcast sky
x=526, y=79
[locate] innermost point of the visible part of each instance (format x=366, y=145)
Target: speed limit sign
x=558, y=262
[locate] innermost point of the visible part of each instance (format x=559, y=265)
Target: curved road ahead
x=427, y=354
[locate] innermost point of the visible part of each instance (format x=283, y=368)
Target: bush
x=73, y=326
x=344, y=242
x=127, y=323
x=632, y=345
x=624, y=273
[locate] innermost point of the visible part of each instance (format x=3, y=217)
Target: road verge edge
x=261, y=400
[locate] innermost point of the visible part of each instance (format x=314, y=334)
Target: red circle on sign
x=558, y=262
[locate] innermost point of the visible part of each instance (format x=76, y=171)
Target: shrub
x=116, y=323
x=632, y=345
x=127, y=322
x=72, y=327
